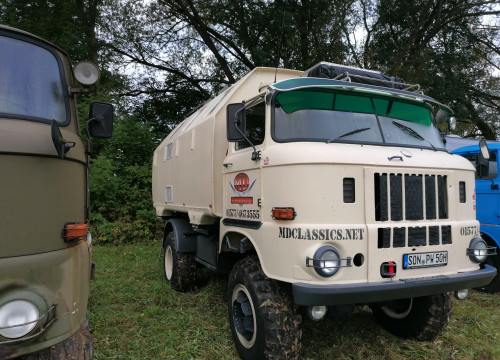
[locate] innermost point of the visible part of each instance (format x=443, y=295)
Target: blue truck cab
x=487, y=200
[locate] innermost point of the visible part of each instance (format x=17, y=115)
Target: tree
x=447, y=48
x=69, y=24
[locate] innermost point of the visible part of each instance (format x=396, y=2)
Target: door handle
x=395, y=157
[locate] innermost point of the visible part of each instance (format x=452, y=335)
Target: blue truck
x=487, y=197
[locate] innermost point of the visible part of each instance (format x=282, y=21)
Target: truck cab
x=487, y=199
x=45, y=245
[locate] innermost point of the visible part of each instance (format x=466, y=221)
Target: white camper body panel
x=187, y=165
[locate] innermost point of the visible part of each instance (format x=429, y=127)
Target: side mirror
x=483, y=164
x=485, y=152
x=236, y=122
x=443, y=115
x=100, y=123
x=452, y=123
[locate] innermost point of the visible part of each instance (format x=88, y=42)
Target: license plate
x=423, y=260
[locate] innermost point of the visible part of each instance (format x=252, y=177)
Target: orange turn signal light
x=75, y=231
x=283, y=213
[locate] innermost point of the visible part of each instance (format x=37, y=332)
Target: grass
x=135, y=315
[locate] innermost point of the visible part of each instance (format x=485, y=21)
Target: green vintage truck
x=45, y=245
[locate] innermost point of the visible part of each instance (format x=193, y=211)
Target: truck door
x=242, y=175
x=488, y=194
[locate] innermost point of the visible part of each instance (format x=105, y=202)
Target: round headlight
x=17, y=318
x=478, y=250
x=86, y=73
x=326, y=261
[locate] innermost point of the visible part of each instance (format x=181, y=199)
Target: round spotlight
x=326, y=261
x=461, y=294
x=317, y=312
x=17, y=318
x=86, y=73
x=478, y=250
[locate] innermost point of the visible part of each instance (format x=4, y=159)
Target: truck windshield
x=30, y=82
x=329, y=115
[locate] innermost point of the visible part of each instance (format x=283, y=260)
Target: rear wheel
x=179, y=268
x=421, y=318
x=263, y=319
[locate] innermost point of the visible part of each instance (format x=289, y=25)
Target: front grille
x=417, y=236
x=401, y=197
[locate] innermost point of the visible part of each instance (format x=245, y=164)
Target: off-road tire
x=179, y=268
x=494, y=285
x=76, y=347
x=266, y=309
x=421, y=318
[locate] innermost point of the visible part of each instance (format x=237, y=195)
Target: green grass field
x=135, y=315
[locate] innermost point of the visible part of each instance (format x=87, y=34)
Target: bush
x=120, y=186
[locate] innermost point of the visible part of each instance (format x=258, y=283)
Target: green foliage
x=70, y=24
x=120, y=187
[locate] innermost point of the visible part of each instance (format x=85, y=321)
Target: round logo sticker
x=241, y=182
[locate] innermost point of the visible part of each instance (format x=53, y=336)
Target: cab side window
x=256, y=125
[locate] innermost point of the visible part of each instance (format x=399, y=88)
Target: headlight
x=17, y=318
x=478, y=250
x=326, y=261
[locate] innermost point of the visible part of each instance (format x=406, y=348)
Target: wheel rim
x=243, y=313
x=398, y=309
x=169, y=262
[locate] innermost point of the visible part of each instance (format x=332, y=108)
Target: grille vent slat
x=413, y=197
x=396, y=197
x=461, y=191
x=430, y=197
x=442, y=197
x=349, y=190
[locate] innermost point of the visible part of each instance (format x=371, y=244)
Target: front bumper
x=61, y=280
x=306, y=294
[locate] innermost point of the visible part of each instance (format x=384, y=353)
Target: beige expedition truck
x=317, y=191
x=45, y=246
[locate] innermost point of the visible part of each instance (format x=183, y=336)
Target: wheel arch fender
x=491, y=239
x=185, y=241
x=238, y=242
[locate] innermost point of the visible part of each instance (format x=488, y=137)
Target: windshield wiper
x=348, y=134
x=413, y=133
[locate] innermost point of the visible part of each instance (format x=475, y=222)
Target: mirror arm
x=90, y=147
x=255, y=153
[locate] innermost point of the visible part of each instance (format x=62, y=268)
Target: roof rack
x=357, y=75
x=346, y=76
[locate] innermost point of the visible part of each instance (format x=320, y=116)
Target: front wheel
x=422, y=318
x=263, y=319
x=179, y=268
x=76, y=347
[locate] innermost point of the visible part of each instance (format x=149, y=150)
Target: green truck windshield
x=320, y=114
x=30, y=82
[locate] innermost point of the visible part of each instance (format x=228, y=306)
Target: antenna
x=279, y=46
